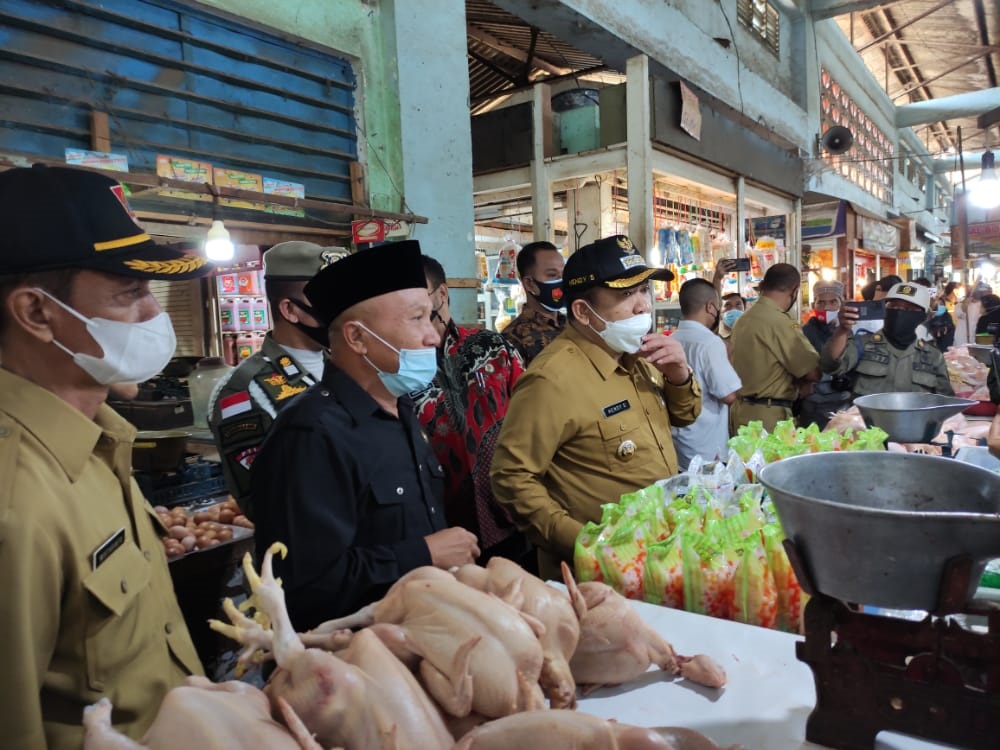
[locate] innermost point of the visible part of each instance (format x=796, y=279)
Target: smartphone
x=868, y=309
x=739, y=264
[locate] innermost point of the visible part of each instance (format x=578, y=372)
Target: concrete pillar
x=436, y=135
x=639, y=155
x=541, y=149
x=590, y=213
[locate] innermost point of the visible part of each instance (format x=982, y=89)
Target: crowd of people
x=372, y=434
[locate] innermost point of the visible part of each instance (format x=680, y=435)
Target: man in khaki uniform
x=291, y=359
x=89, y=610
x=590, y=419
x=893, y=359
x=772, y=356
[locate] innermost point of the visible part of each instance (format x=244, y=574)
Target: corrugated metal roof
x=499, y=44
x=930, y=49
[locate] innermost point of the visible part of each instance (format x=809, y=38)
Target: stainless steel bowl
x=877, y=528
x=910, y=417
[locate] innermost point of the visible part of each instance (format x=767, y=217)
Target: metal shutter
x=182, y=301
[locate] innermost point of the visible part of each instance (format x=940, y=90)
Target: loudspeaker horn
x=837, y=140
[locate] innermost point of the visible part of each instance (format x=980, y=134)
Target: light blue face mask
x=417, y=368
x=941, y=310
x=729, y=317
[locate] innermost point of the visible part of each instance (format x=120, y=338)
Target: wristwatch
x=683, y=382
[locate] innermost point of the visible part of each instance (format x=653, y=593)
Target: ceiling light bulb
x=986, y=193
x=218, y=245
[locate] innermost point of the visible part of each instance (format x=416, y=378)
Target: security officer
x=771, y=355
x=893, y=359
x=590, y=419
x=290, y=360
x=88, y=605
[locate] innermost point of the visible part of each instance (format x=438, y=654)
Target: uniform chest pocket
x=925, y=380
x=386, y=513
x=620, y=436
x=874, y=368
x=113, y=622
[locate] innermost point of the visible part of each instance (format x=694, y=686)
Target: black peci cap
x=363, y=275
x=612, y=262
x=61, y=217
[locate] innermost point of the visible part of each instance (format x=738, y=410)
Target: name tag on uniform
x=103, y=552
x=610, y=411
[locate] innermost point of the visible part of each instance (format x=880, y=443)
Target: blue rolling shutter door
x=178, y=80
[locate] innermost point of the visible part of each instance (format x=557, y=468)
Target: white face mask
x=624, y=336
x=133, y=352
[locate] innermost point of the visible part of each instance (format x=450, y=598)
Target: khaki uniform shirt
x=882, y=368
x=88, y=605
x=769, y=353
x=582, y=430
x=244, y=406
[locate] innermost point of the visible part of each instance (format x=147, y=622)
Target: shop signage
x=97, y=160
x=690, y=112
x=985, y=236
x=371, y=230
x=768, y=226
x=827, y=220
x=879, y=236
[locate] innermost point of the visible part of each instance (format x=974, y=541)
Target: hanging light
x=985, y=194
x=218, y=245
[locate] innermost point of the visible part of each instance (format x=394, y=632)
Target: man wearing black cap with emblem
x=346, y=478
x=89, y=610
x=290, y=360
x=590, y=419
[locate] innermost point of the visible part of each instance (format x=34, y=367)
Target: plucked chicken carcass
x=204, y=715
x=617, y=646
x=343, y=704
x=551, y=607
x=472, y=651
x=568, y=730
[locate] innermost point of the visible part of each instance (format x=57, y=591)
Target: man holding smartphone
x=893, y=359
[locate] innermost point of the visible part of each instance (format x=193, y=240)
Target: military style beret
x=299, y=261
x=365, y=274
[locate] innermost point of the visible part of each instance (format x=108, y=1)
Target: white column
x=639, y=154
x=436, y=135
x=541, y=148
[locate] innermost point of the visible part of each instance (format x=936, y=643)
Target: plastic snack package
x=791, y=599
x=663, y=576
x=622, y=557
x=755, y=596
x=585, y=562
x=708, y=576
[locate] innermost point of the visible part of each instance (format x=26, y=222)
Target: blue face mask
x=941, y=310
x=417, y=368
x=729, y=317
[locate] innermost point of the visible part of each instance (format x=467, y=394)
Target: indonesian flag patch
x=238, y=403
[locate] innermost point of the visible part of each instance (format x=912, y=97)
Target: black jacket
x=352, y=491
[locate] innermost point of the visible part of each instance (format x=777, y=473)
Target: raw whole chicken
x=204, y=715
x=548, y=605
x=568, y=730
x=617, y=646
x=472, y=651
x=340, y=702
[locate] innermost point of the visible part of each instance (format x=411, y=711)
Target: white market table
x=764, y=706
